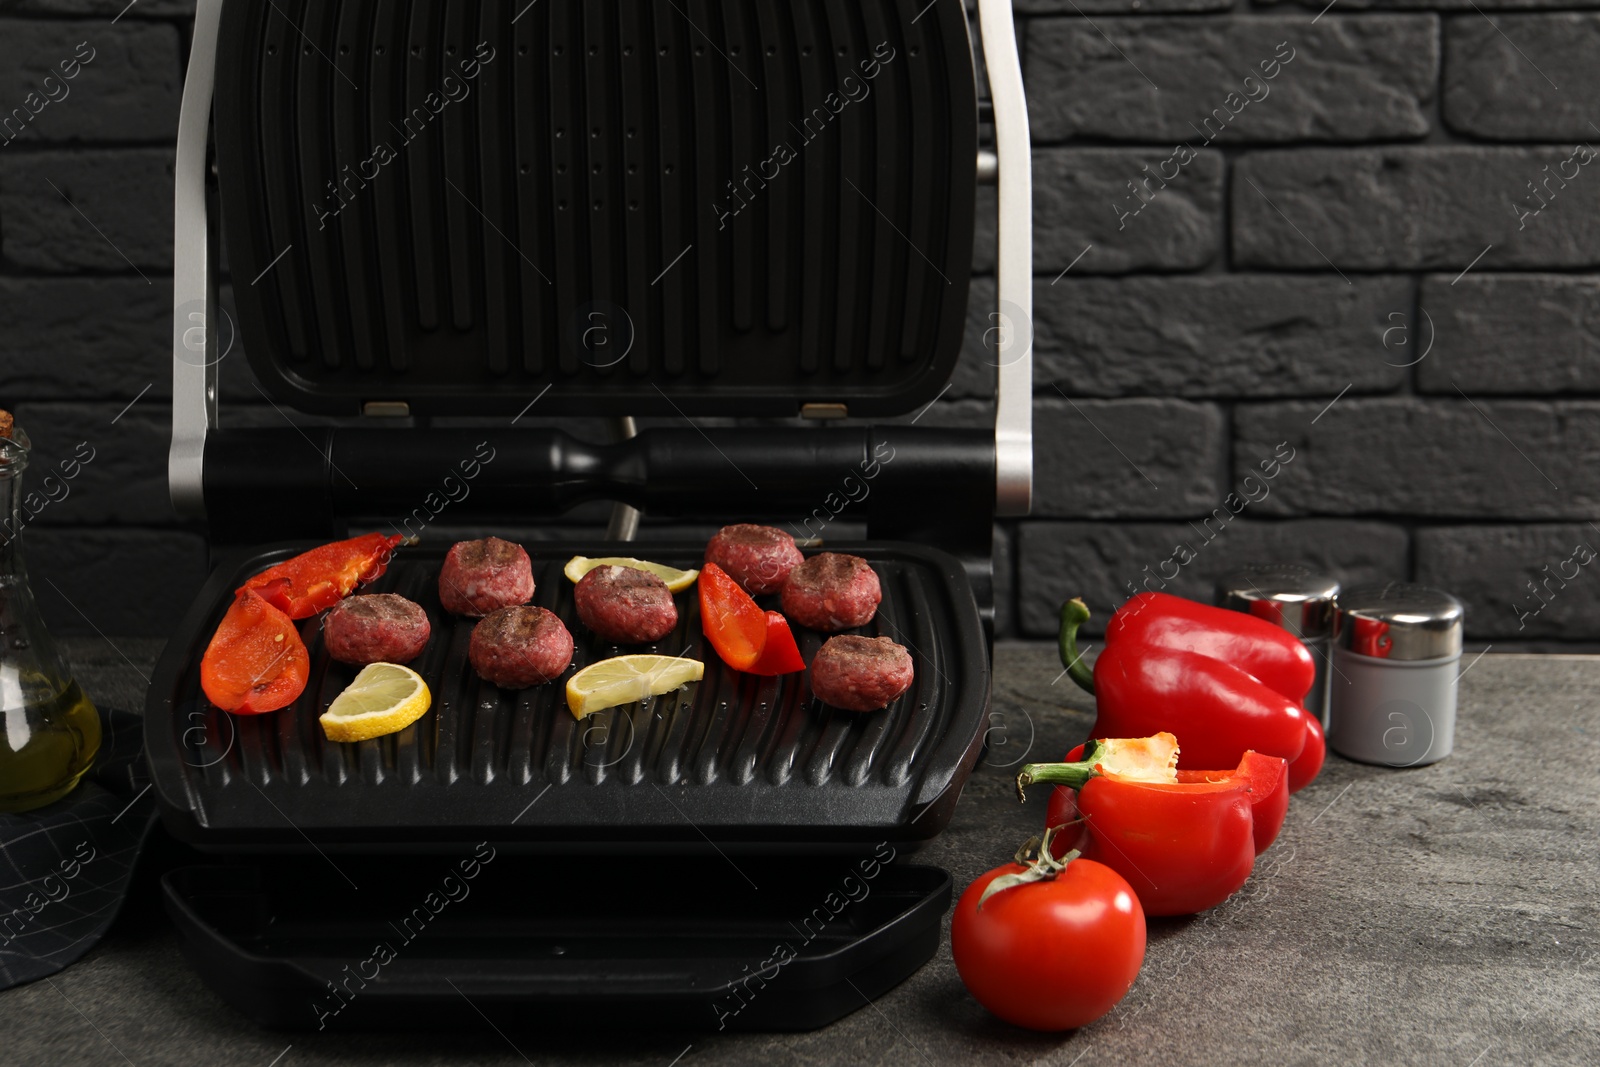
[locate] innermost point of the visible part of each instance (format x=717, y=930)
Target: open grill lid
x=713, y=207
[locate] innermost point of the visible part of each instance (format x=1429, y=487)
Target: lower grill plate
x=733, y=759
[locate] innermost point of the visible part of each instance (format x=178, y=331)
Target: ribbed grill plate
x=725, y=207
x=732, y=758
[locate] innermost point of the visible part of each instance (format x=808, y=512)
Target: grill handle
x=918, y=483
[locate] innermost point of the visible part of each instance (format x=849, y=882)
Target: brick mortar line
x=1292, y=10
x=32, y=146
x=179, y=21
x=1232, y=401
x=1231, y=150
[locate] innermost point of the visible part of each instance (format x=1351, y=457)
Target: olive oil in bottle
x=49, y=731
x=45, y=748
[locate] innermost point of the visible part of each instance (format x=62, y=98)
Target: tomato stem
x=1075, y=775
x=1038, y=862
x=1074, y=613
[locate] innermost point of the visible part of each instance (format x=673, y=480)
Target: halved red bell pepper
x=256, y=661
x=1183, y=843
x=1279, y=659
x=1267, y=779
x=780, y=654
x=733, y=623
x=1223, y=712
x=324, y=576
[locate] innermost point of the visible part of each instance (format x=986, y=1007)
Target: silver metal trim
x=194, y=303
x=1013, y=422
x=988, y=167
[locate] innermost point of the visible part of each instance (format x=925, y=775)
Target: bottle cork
x=7, y=423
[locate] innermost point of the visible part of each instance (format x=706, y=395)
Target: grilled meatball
x=831, y=591
x=759, y=558
x=625, y=605
x=482, y=576
x=376, y=628
x=860, y=673
x=520, y=646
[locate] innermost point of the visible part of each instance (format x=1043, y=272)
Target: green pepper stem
x=1074, y=613
x=1075, y=775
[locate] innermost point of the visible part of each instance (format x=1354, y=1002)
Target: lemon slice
x=625, y=679
x=677, y=581
x=385, y=698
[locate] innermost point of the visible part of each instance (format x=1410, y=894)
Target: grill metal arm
x=1013, y=430
x=194, y=297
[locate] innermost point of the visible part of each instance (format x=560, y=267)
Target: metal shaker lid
x=1289, y=595
x=1399, y=621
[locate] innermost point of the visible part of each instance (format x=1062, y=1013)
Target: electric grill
x=743, y=209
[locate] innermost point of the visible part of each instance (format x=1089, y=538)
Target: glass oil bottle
x=49, y=731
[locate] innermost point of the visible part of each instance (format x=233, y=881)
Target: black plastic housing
x=693, y=945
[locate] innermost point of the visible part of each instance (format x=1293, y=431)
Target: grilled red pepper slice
x=1222, y=711
x=256, y=661
x=324, y=576
x=1268, y=780
x=731, y=620
x=1185, y=841
x=780, y=654
x=1278, y=658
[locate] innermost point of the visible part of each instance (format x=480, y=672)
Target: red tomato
x=1054, y=954
x=1306, y=766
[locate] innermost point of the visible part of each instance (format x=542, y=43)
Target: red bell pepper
x=256, y=661
x=1185, y=841
x=733, y=623
x=1308, y=764
x=780, y=654
x=1268, y=785
x=1224, y=712
x=324, y=576
x=1255, y=646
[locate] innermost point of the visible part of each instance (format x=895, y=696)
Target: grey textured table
x=1443, y=915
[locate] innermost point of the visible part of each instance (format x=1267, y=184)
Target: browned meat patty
x=860, y=673
x=376, y=628
x=831, y=591
x=520, y=646
x=759, y=558
x=483, y=576
x=625, y=605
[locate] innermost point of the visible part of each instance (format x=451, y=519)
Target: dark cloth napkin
x=65, y=868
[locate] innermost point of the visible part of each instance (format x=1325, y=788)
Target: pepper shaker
x=1393, y=690
x=1296, y=598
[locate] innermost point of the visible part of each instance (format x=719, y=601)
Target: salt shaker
x=1393, y=689
x=1296, y=598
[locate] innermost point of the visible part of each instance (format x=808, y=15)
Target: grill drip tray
x=454, y=940
x=737, y=760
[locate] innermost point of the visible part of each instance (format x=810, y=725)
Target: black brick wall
x=1277, y=282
